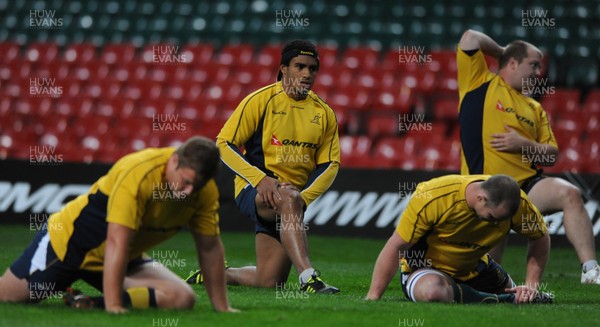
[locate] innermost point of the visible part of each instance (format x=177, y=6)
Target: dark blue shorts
x=492, y=278
x=246, y=201
x=529, y=183
x=48, y=276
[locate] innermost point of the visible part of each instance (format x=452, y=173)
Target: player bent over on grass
x=501, y=128
x=100, y=237
x=291, y=157
x=443, y=237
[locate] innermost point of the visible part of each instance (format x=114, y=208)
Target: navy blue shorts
x=48, y=276
x=492, y=278
x=246, y=201
x=529, y=183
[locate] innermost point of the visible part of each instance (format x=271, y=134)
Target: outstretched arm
x=115, y=264
x=211, y=257
x=386, y=265
x=473, y=40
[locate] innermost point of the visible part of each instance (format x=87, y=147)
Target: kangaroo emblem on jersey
x=316, y=119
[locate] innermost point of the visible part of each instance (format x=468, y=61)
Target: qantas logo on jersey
x=500, y=107
x=276, y=142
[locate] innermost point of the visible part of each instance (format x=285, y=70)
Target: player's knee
x=270, y=282
x=292, y=198
x=181, y=297
x=570, y=194
x=434, y=288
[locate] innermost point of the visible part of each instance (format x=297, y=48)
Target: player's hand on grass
x=523, y=293
x=511, y=141
x=116, y=310
x=268, y=192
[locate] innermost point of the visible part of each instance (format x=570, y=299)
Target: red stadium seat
x=9, y=52
x=269, y=56
x=446, y=109
x=421, y=80
x=382, y=125
x=130, y=72
x=235, y=55
x=444, y=63
x=328, y=57
x=43, y=53
x=118, y=107
x=158, y=109
x=591, y=105
x=167, y=74
x=562, y=102
x=198, y=54
x=360, y=58
x=16, y=70
x=399, y=99
x=121, y=53
x=354, y=146
x=79, y=53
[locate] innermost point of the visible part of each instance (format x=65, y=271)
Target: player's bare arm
x=386, y=266
x=537, y=257
x=115, y=265
x=473, y=40
x=513, y=142
x=211, y=256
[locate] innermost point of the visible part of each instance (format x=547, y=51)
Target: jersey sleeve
x=528, y=221
x=544, y=132
x=472, y=71
x=206, y=217
x=238, y=129
x=327, y=159
x=418, y=218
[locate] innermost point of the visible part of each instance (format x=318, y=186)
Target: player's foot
x=591, y=276
x=316, y=285
x=196, y=277
x=76, y=299
x=543, y=298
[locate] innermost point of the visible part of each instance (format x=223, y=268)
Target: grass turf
x=346, y=263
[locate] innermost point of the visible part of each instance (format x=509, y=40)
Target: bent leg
x=289, y=219
x=272, y=265
x=170, y=291
x=553, y=194
x=13, y=288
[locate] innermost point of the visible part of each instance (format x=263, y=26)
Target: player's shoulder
x=319, y=102
x=264, y=93
x=144, y=160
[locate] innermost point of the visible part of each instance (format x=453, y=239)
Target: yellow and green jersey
x=488, y=104
x=447, y=235
x=293, y=141
x=134, y=194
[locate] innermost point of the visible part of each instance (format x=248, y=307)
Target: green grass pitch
x=346, y=263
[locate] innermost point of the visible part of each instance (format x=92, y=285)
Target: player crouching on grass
x=443, y=237
x=100, y=237
x=292, y=155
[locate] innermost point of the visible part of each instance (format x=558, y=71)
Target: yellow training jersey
x=135, y=194
x=487, y=105
x=448, y=236
x=293, y=141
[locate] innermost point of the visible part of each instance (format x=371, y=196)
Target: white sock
x=589, y=265
x=305, y=275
